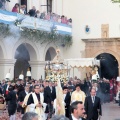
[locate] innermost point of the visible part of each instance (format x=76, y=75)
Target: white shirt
x=7, y=87
x=64, y=96
x=26, y=92
x=75, y=118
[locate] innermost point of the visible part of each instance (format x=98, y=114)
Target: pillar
x=37, y=69
x=5, y=66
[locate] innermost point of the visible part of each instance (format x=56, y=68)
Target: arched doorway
x=108, y=66
x=23, y=54
x=50, y=54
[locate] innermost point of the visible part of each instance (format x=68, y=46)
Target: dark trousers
x=119, y=101
x=50, y=110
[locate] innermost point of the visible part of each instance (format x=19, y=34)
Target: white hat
x=21, y=76
x=28, y=73
x=118, y=78
x=8, y=75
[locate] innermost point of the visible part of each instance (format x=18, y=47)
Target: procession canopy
x=82, y=62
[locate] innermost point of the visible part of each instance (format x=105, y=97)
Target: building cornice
x=101, y=40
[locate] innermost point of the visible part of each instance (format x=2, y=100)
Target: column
x=54, y=6
x=37, y=69
x=5, y=66
x=29, y=5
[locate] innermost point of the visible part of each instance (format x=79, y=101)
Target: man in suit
x=77, y=110
x=67, y=99
x=21, y=98
x=49, y=95
x=93, y=106
x=32, y=86
x=5, y=88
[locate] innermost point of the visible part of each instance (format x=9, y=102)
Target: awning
x=82, y=62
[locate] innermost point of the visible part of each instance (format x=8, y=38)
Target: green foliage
x=4, y=30
x=38, y=35
x=115, y=1
x=43, y=36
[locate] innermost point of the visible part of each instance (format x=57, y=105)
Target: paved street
x=110, y=111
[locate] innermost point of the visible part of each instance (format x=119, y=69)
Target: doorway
x=108, y=66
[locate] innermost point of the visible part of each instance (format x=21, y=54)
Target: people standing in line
x=93, y=106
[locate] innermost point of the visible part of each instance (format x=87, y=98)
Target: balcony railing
x=25, y=21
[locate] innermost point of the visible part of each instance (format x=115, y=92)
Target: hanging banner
x=34, y=23
x=7, y=17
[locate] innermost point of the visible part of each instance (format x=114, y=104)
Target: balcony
x=37, y=28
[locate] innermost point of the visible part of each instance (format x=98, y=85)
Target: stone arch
x=50, y=47
x=23, y=62
x=115, y=54
x=30, y=46
x=50, y=54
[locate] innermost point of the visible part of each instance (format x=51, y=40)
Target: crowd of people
x=24, y=96
x=42, y=15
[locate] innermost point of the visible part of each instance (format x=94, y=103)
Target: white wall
x=10, y=5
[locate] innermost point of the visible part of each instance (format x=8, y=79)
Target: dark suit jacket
x=70, y=118
x=4, y=89
x=12, y=102
x=67, y=106
x=67, y=99
x=92, y=111
x=21, y=96
x=48, y=95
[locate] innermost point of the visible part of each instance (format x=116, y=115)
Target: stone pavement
x=110, y=111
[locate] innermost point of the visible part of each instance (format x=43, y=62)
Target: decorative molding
x=37, y=63
x=7, y=61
